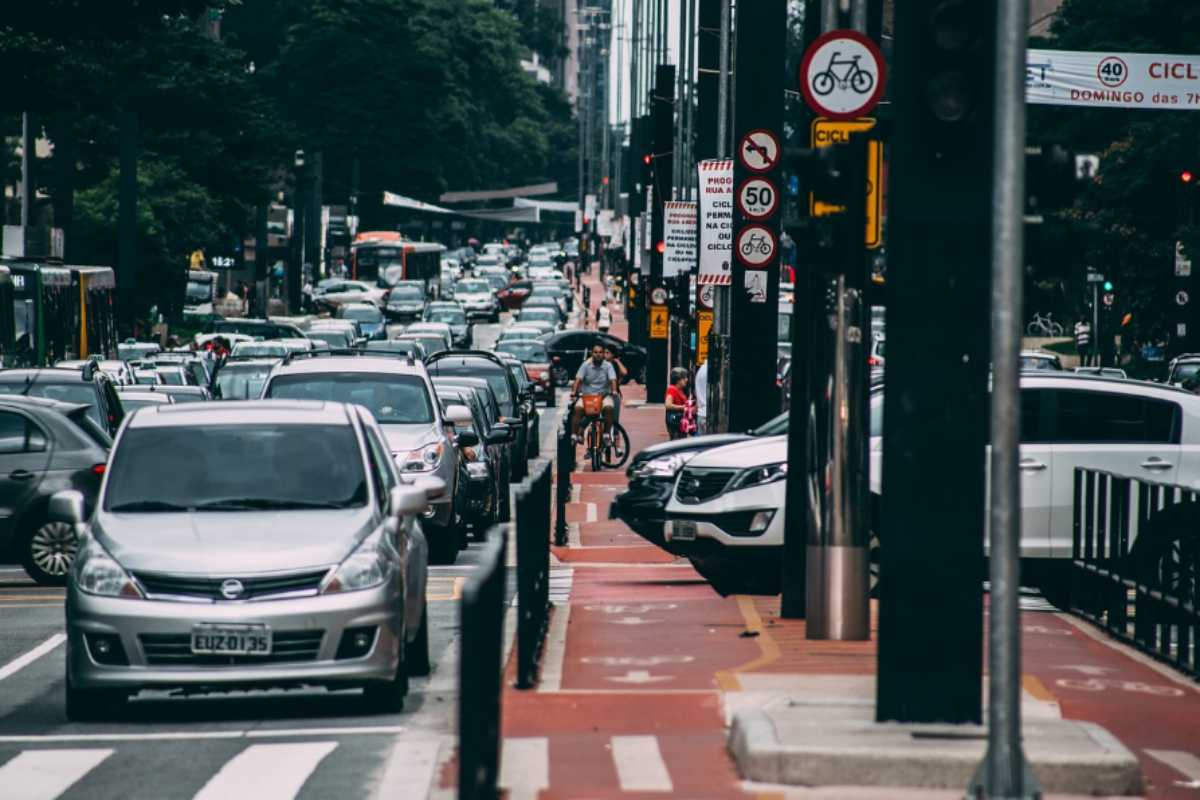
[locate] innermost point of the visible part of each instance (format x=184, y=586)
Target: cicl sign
x=827, y=132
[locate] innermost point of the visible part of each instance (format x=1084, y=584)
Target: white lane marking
x=574, y=539
x=22, y=661
x=46, y=774
x=1181, y=762
x=1146, y=661
x=266, y=771
x=556, y=649
x=591, y=512
x=525, y=767
x=576, y=492
x=640, y=765
x=410, y=769
x=638, y=676
x=200, y=735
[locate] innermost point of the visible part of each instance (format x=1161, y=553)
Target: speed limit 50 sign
x=757, y=198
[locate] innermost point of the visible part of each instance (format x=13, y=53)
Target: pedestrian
x=603, y=317
x=676, y=402
x=700, y=391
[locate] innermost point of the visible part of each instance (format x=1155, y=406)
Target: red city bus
x=387, y=259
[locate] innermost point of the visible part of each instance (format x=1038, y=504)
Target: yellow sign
x=659, y=322
x=704, y=320
x=197, y=259
x=826, y=132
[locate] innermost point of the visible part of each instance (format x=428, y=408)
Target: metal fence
x=532, y=524
x=481, y=670
x=1136, y=563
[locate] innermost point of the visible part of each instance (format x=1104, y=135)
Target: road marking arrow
x=1087, y=669
x=634, y=621
x=641, y=676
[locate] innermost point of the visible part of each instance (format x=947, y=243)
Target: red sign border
x=742, y=150
x=866, y=42
x=738, y=198
x=774, y=251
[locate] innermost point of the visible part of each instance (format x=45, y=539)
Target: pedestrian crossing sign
x=659, y=317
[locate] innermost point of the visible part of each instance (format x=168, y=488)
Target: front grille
x=697, y=485
x=175, y=650
x=254, y=588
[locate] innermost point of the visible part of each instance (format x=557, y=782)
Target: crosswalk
x=561, y=579
x=637, y=763
x=262, y=771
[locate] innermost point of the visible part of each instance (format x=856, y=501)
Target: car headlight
x=756, y=476
x=367, y=567
x=423, y=459
x=98, y=573
x=663, y=466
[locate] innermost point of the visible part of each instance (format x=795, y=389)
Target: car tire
x=416, y=657
x=48, y=550
x=387, y=697
x=93, y=705
x=443, y=544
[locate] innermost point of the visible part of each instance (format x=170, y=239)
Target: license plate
x=231, y=640
x=682, y=530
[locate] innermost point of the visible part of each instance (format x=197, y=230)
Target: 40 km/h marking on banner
x=759, y=151
x=755, y=246
x=842, y=74
x=757, y=198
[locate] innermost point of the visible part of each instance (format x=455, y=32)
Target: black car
x=528, y=402
x=481, y=463
x=46, y=446
x=88, y=386
x=492, y=416
x=267, y=329
x=405, y=302
x=652, y=475
x=568, y=349
x=452, y=314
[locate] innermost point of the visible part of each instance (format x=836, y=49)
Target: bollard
x=481, y=653
x=533, y=572
x=587, y=301
x=562, y=463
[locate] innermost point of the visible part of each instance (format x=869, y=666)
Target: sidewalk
x=645, y=668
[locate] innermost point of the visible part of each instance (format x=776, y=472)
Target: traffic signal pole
x=662, y=117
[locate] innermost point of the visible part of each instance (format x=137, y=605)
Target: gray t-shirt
x=596, y=379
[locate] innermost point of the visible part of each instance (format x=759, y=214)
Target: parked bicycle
x=1043, y=326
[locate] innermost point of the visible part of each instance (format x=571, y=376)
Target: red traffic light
x=604, y=180
x=646, y=159
x=661, y=247
x=1186, y=176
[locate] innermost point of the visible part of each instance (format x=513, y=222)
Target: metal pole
x=723, y=86
x=829, y=15
x=1004, y=772
x=858, y=15
x=27, y=160
x=1096, y=325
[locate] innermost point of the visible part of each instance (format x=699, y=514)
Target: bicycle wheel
x=616, y=454
x=862, y=81
x=1033, y=329
x=595, y=446
x=822, y=84
x=1056, y=329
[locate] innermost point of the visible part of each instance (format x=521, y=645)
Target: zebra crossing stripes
x=267, y=771
x=46, y=774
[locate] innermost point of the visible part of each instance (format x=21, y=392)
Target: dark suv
x=89, y=387
x=45, y=446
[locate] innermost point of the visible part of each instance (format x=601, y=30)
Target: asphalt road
x=268, y=745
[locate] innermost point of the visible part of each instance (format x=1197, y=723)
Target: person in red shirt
x=676, y=402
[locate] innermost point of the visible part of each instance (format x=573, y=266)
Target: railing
x=532, y=524
x=1136, y=563
x=480, y=672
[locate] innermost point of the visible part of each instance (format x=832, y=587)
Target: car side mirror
x=407, y=501
x=433, y=487
x=66, y=506
x=89, y=371
x=500, y=434
x=467, y=439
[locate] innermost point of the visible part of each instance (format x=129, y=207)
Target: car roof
x=1085, y=381
x=42, y=375
x=247, y=412
x=360, y=364
x=41, y=402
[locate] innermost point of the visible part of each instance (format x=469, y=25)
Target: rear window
x=242, y=381
x=393, y=399
x=496, y=376
x=80, y=393
x=525, y=350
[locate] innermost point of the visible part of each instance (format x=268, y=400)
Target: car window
x=1035, y=416
x=382, y=456
x=14, y=432
x=496, y=377
x=1186, y=370
x=1091, y=416
x=205, y=468
x=242, y=382
x=393, y=399
x=80, y=393
x=525, y=350
x=575, y=341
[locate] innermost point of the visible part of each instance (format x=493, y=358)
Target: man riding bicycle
x=595, y=377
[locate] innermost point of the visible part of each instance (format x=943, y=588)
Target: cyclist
x=597, y=377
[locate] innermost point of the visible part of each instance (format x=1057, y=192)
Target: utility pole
x=127, y=261
x=28, y=159
x=662, y=116
x=293, y=279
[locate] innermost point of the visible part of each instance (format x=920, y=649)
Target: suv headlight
x=663, y=466
x=98, y=573
x=756, y=476
x=423, y=459
x=367, y=567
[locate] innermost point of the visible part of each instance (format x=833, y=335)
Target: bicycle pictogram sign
x=755, y=246
x=842, y=74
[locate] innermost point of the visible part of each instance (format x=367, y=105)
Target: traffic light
x=1187, y=176
x=1108, y=286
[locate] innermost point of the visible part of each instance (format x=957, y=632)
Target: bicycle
x=616, y=453
x=593, y=421
x=856, y=78
x=1043, y=326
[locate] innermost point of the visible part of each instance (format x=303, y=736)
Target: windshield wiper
x=263, y=503
x=148, y=505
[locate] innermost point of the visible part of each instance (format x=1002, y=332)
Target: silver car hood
x=410, y=437
x=224, y=543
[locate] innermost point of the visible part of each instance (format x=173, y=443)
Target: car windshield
x=331, y=338
x=205, y=468
x=132, y=402
x=254, y=349
x=393, y=399
x=409, y=294
x=496, y=281
x=537, y=315
x=450, y=316
x=361, y=313
x=530, y=352
x=432, y=344
x=1185, y=372
x=242, y=381
x=171, y=377
x=77, y=393
x=496, y=377
x=471, y=287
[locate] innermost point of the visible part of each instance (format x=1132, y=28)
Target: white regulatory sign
x=842, y=74
x=757, y=198
x=759, y=151
x=755, y=246
x=1181, y=298
x=707, y=291
x=658, y=295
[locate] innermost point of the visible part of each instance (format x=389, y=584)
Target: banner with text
x=716, y=221
x=679, y=236
x=1112, y=80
